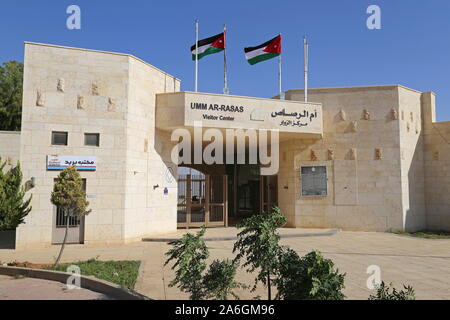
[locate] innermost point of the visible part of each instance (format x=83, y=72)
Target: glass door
x=202, y=199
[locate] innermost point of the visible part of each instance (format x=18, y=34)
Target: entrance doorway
x=214, y=200
x=202, y=199
x=251, y=193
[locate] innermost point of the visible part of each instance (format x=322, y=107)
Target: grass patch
x=123, y=273
x=426, y=234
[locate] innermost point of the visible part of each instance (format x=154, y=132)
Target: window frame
x=91, y=134
x=59, y=144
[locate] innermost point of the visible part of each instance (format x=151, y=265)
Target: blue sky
x=412, y=48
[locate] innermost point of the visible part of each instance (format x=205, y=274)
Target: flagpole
x=226, y=90
x=306, y=62
x=196, y=55
x=280, y=88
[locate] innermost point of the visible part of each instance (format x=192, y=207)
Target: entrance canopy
x=186, y=109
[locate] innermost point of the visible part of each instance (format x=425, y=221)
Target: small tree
x=11, y=80
x=13, y=206
x=388, y=292
x=189, y=253
x=309, y=278
x=258, y=243
x=219, y=280
x=68, y=195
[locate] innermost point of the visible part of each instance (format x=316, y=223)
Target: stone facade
x=78, y=86
x=10, y=148
x=387, y=159
x=378, y=177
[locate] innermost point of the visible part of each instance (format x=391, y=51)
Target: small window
x=59, y=138
x=92, y=139
x=314, y=181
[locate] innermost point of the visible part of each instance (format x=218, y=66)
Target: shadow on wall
x=415, y=216
x=8, y=240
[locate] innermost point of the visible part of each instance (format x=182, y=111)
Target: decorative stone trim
x=40, y=98
x=354, y=126
x=111, y=105
x=366, y=115
x=342, y=115
x=436, y=155
x=330, y=154
x=61, y=85
x=353, y=154
x=378, y=154
x=95, y=90
x=313, y=155
x=80, y=103
x=394, y=114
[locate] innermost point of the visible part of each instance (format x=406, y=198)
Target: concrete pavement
x=421, y=263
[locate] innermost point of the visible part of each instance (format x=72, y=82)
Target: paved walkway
x=38, y=289
x=422, y=263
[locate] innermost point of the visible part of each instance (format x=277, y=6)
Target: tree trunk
x=269, y=289
x=64, y=242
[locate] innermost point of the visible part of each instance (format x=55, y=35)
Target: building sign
x=314, y=181
x=286, y=116
x=295, y=119
x=82, y=163
x=209, y=111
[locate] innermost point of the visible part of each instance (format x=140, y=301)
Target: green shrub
x=309, y=278
x=258, y=243
x=190, y=254
x=388, y=292
x=219, y=281
x=13, y=207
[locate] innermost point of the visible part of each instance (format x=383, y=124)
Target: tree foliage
x=13, y=206
x=388, y=292
x=11, y=79
x=190, y=254
x=258, y=244
x=219, y=282
x=311, y=277
x=68, y=195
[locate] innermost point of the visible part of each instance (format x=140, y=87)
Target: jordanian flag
x=210, y=45
x=263, y=52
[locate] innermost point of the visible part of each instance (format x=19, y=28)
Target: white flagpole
x=196, y=55
x=280, y=88
x=306, y=61
x=226, y=90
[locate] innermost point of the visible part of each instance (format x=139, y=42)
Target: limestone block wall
x=411, y=158
x=9, y=148
x=77, y=91
x=84, y=91
x=436, y=166
x=361, y=151
x=148, y=210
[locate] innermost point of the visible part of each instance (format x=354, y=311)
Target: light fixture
x=33, y=182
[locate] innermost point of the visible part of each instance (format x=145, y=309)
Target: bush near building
x=13, y=205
